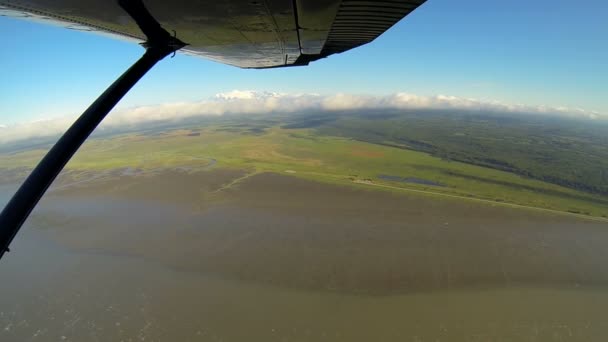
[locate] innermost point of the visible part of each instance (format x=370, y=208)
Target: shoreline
x=97, y=177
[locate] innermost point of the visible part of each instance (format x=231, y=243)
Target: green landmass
x=568, y=152
x=532, y=162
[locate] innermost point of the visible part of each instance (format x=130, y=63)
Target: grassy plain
x=304, y=153
x=568, y=152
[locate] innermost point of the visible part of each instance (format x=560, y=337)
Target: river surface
x=275, y=258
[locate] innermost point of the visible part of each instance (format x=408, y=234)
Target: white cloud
x=247, y=102
x=33, y=129
x=246, y=95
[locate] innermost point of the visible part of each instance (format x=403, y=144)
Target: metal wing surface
x=243, y=33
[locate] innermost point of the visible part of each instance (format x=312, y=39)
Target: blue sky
x=532, y=52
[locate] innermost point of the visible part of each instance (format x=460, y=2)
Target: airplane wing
x=243, y=33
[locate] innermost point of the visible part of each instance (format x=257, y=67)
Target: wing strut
x=158, y=45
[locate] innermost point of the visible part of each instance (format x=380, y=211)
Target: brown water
x=275, y=258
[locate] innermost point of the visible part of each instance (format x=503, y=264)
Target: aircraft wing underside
x=243, y=33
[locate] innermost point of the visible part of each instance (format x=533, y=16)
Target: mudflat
x=226, y=255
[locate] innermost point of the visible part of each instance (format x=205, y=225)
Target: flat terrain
x=294, y=229
x=227, y=255
x=564, y=151
x=338, y=152
x=302, y=234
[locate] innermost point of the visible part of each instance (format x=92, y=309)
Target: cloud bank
x=251, y=102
